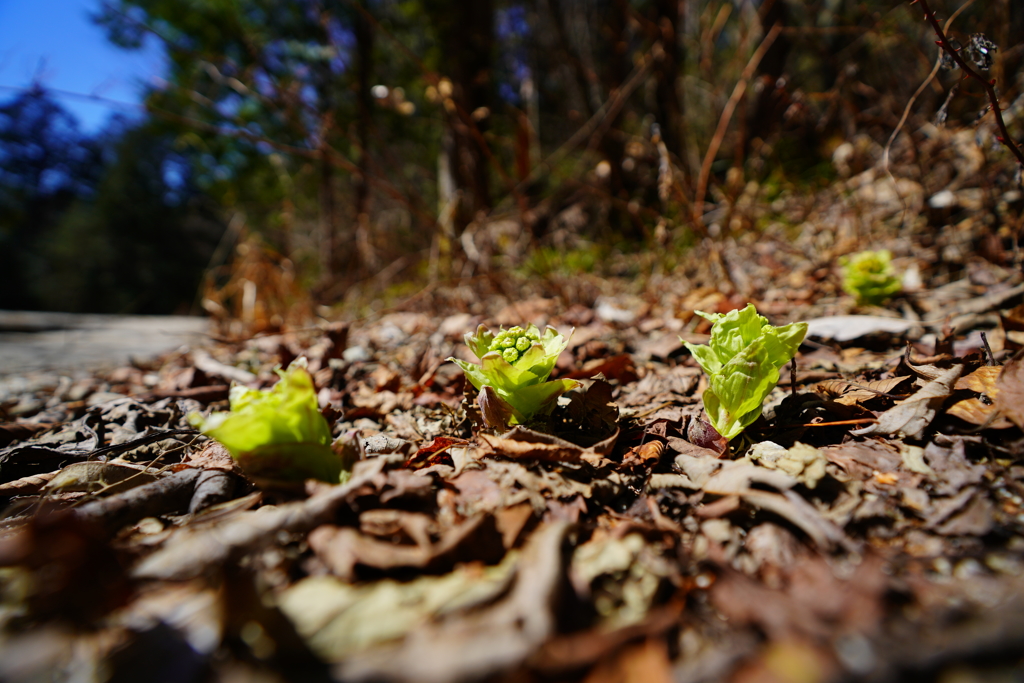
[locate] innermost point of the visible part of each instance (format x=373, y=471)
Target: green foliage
x=277, y=433
x=742, y=361
x=140, y=242
x=515, y=364
x=46, y=166
x=869, y=277
x=546, y=261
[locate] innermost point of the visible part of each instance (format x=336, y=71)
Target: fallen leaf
x=701, y=434
x=976, y=412
x=976, y=519
x=434, y=453
x=803, y=515
x=844, y=328
x=1009, y=401
x=814, y=602
x=343, y=549
x=914, y=415
x=737, y=476
x=984, y=380
x=850, y=393
x=804, y=463
x=953, y=470
x=525, y=444
x=913, y=460
x=339, y=619
x=481, y=643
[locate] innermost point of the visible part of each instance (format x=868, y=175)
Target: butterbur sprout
x=742, y=361
x=512, y=377
x=277, y=433
x=869, y=277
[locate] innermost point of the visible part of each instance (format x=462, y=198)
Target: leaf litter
x=868, y=520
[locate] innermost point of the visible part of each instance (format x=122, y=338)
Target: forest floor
x=870, y=526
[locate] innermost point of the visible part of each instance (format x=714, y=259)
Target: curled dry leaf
x=914, y=415
x=1009, y=400
x=855, y=393
x=525, y=444
x=486, y=641
x=342, y=549
x=980, y=411
x=700, y=433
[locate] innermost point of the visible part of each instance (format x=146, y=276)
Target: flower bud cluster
x=513, y=343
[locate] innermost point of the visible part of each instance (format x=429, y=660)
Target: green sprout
x=869, y=277
x=513, y=373
x=276, y=433
x=742, y=361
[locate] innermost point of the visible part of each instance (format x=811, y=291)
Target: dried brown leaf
x=525, y=444
x=814, y=602
x=854, y=393
x=802, y=515
x=983, y=381
x=737, y=476
x=1009, y=400
x=482, y=643
x=914, y=415
x=700, y=433
x=342, y=549
x=977, y=412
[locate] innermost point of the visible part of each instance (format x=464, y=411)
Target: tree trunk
x=666, y=73
x=364, y=112
x=328, y=222
x=466, y=34
x=766, y=115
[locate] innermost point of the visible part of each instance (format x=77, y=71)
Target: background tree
x=361, y=138
x=141, y=242
x=46, y=164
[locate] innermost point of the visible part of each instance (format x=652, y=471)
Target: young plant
x=869, y=277
x=276, y=433
x=742, y=361
x=512, y=377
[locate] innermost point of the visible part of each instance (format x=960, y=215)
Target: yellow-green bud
x=513, y=343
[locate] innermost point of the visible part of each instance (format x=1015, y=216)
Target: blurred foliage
x=45, y=166
x=109, y=224
x=369, y=141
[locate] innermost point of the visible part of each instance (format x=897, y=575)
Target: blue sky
x=56, y=43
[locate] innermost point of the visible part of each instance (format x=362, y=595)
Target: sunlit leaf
x=869, y=277
x=276, y=433
x=742, y=361
x=516, y=364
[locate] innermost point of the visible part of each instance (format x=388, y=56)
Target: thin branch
x=989, y=85
x=910, y=104
x=608, y=109
x=723, y=122
x=917, y=93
